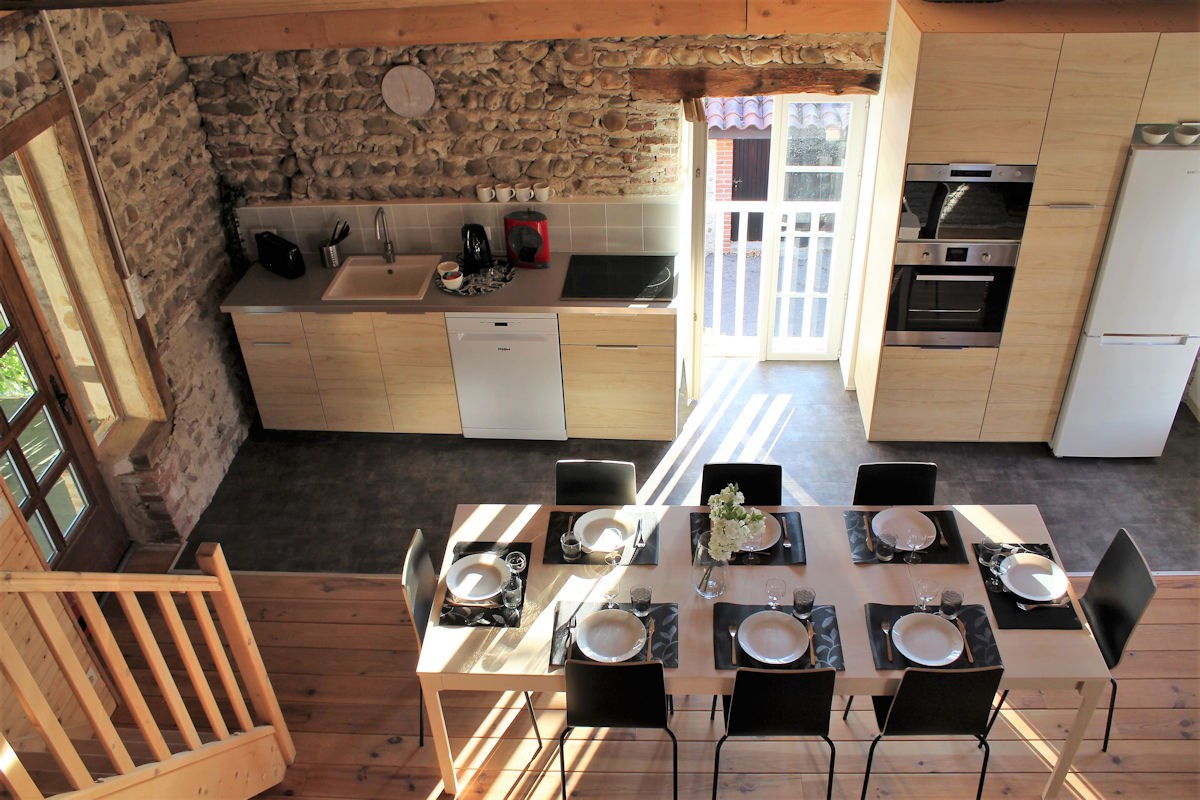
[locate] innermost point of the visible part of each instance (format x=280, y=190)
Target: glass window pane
x=67, y=501
x=817, y=134
x=828, y=223
x=40, y=443
x=3, y=321
x=42, y=537
x=13, y=478
x=825, y=186
x=803, y=221
x=820, y=310
x=16, y=382
x=794, y=279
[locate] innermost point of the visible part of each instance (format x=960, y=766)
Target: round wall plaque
x=408, y=91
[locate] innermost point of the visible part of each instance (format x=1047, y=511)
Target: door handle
x=64, y=399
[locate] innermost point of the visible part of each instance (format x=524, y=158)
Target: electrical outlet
x=92, y=676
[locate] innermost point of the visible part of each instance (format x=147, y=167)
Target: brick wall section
x=312, y=125
x=724, y=183
x=144, y=126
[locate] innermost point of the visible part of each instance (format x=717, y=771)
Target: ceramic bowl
x=1154, y=134
x=1186, y=134
x=446, y=267
x=452, y=280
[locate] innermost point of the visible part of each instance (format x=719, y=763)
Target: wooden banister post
x=243, y=646
x=14, y=776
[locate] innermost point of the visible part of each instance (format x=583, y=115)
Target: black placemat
x=1004, y=602
x=664, y=644
x=561, y=521
x=826, y=637
x=775, y=555
x=943, y=522
x=979, y=637
x=493, y=615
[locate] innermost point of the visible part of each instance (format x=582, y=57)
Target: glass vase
x=708, y=573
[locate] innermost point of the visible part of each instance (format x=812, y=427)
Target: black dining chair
x=630, y=694
x=420, y=585
x=895, y=483
x=1114, y=602
x=760, y=484
x=579, y=482
x=938, y=702
x=771, y=702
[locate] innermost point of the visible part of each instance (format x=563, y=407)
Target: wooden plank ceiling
x=211, y=27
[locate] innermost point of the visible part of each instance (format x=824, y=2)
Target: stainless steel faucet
x=381, y=233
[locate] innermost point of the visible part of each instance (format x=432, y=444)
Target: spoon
x=733, y=643
x=887, y=637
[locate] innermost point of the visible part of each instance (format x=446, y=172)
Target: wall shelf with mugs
x=514, y=192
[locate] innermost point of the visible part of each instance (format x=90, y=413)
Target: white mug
x=523, y=192
x=542, y=192
x=504, y=192
x=485, y=193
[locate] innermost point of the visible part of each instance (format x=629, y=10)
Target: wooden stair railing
x=241, y=763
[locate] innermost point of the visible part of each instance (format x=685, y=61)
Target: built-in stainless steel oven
x=950, y=294
x=966, y=202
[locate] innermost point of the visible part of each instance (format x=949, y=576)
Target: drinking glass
x=926, y=591
x=572, y=548
x=511, y=593
x=802, y=602
x=775, y=591
x=639, y=597
x=951, y=604
x=885, y=548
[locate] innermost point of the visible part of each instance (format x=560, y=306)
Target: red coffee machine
x=527, y=237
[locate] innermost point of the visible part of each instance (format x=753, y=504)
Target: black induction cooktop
x=620, y=277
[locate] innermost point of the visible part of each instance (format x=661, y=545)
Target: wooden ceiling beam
x=693, y=82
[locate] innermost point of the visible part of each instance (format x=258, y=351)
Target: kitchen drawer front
x=340, y=323
x=424, y=413
x=295, y=412
x=619, y=392
x=426, y=382
x=277, y=359
x=928, y=394
x=335, y=367
x=357, y=408
x=412, y=340
x=283, y=326
x=601, y=328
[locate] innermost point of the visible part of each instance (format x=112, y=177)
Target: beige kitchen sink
x=373, y=278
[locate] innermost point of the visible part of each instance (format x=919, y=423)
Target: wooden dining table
x=455, y=657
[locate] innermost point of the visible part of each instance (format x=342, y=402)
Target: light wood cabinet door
x=281, y=374
x=345, y=361
x=932, y=394
x=1094, y=107
x=1173, y=89
x=417, y=372
x=1027, y=390
x=617, y=329
x=982, y=97
x=619, y=392
x=1057, y=264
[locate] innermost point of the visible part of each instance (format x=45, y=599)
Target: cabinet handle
x=1071, y=206
x=272, y=344
x=618, y=346
x=263, y=313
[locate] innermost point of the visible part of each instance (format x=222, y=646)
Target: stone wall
x=144, y=126
x=312, y=125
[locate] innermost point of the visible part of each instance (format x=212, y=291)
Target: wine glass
x=926, y=590
x=609, y=592
x=913, y=539
x=776, y=588
x=613, y=539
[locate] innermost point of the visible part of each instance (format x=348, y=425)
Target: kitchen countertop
x=530, y=291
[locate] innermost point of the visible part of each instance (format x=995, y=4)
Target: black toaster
x=279, y=255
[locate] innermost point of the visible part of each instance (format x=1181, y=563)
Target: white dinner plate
x=768, y=537
x=610, y=635
x=605, y=529
x=1033, y=577
x=927, y=639
x=477, y=577
x=773, y=637
x=896, y=523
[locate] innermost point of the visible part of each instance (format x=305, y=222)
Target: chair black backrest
x=895, y=483
x=769, y=702
x=420, y=583
x=943, y=702
x=1118, y=595
x=760, y=484
x=595, y=483
x=630, y=694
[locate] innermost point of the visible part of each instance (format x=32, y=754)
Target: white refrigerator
x=1142, y=330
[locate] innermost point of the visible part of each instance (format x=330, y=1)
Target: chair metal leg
x=832, y=759
x=867, y=771
x=674, y=764
x=849, y=702
x=987, y=751
x=420, y=717
x=712, y=714
x=1112, y=705
x=995, y=713
x=562, y=760
x=717, y=765
x=533, y=719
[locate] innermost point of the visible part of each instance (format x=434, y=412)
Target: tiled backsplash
x=645, y=225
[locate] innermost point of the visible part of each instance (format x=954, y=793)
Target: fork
x=887, y=637
x=1031, y=606
x=733, y=643
x=787, y=540
x=640, y=540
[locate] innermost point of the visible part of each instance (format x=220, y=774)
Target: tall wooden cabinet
x=345, y=360
x=281, y=372
x=418, y=376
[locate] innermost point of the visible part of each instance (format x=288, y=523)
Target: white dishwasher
x=508, y=375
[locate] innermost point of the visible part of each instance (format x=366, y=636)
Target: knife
x=812, y=644
x=649, y=637
x=966, y=642
x=867, y=527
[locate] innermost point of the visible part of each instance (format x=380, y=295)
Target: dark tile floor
x=334, y=502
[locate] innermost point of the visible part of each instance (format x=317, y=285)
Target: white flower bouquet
x=733, y=525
